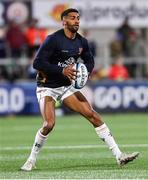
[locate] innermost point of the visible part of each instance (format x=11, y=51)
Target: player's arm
x=44, y=54
x=87, y=56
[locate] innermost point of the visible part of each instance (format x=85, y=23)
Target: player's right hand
x=70, y=72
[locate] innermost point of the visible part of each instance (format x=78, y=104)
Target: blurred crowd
x=128, y=56
x=19, y=43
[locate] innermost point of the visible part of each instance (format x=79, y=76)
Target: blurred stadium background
x=118, y=36
x=117, y=32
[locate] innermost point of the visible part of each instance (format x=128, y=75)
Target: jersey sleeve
x=87, y=56
x=44, y=54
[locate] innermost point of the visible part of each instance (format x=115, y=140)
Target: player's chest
x=70, y=49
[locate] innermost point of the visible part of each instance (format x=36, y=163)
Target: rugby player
x=54, y=62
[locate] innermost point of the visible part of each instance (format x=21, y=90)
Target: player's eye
x=74, y=17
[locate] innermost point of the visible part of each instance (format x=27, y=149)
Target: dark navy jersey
x=56, y=52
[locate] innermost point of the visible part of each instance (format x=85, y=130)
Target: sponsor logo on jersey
x=67, y=62
x=65, y=51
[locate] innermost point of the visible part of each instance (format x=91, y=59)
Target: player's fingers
x=72, y=77
x=74, y=74
x=70, y=67
x=69, y=72
x=74, y=70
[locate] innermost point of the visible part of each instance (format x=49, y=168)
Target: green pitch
x=73, y=150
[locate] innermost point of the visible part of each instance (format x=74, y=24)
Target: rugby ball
x=81, y=76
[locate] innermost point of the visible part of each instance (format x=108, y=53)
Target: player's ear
x=64, y=21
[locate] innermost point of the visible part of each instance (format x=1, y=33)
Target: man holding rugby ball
x=54, y=62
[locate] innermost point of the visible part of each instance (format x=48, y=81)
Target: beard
x=73, y=28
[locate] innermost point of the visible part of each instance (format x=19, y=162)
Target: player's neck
x=69, y=34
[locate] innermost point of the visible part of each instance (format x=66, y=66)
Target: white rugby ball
x=82, y=76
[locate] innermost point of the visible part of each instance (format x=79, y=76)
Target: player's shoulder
x=55, y=35
x=82, y=38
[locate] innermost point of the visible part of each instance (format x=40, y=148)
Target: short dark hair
x=67, y=11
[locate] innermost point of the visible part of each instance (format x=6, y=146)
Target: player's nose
x=77, y=23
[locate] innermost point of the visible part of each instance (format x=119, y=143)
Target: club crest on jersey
x=80, y=50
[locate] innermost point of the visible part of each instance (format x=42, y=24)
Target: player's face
x=72, y=22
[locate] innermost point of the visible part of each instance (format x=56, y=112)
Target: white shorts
x=56, y=93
